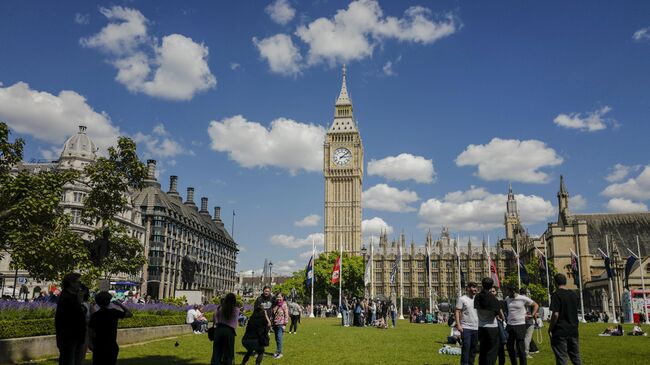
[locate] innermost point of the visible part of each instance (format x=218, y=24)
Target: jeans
x=279, y=331
x=105, y=354
x=529, y=336
x=345, y=318
x=393, y=317
x=223, y=347
x=470, y=345
x=70, y=353
x=294, y=323
x=490, y=343
x=373, y=318
x=516, y=347
x=566, y=348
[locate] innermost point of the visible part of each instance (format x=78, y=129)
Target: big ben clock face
x=342, y=156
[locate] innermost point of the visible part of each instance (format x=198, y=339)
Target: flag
x=462, y=279
x=574, y=269
x=309, y=273
x=336, y=271
x=608, y=264
x=629, y=265
x=427, y=262
x=493, y=273
x=523, y=273
x=542, y=268
x=393, y=271
x=366, y=276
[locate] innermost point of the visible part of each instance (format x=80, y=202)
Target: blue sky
x=454, y=101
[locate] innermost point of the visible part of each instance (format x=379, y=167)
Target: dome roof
x=79, y=146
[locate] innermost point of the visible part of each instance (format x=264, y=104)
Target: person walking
x=70, y=321
x=103, y=326
x=517, y=315
x=280, y=319
x=467, y=324
x=563, y=328
x=294, y=312
x=225, y=322
x=487, y=309
x=256, y=337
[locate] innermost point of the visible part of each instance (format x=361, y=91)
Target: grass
x=324, y=341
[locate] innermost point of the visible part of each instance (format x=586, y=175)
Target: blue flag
x=629, y=264
x=309, y=273
x=523, y=273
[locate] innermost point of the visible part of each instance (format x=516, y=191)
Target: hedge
x=41, y=327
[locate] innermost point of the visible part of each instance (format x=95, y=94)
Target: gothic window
x=421, y=292
x=434, y=264
x=420, y=264
x=420, y=276
x=463, y=264
x=477, y=264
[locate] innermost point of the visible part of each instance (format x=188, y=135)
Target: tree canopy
x=537, y=275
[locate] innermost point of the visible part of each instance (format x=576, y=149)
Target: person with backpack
x=280, y=320
x=256, y=337
x=225, y=323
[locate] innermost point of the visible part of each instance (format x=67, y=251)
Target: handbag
x=503, y=334
x=211, y=332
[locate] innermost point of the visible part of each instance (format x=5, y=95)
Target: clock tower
x=343, y=172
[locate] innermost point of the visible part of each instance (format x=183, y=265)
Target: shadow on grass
x=157, y=360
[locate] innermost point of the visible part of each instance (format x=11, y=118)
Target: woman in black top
x=256, y=337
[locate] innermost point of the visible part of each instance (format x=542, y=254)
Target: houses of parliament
x=343, y=168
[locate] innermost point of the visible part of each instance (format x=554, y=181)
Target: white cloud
x=476, y=209
x=280, y=11
x=620, y=205
x=160, y=130
x=82, y=19
x=510, y=159
x=373, y=228
x=592, y=122
x=290, y=241
x=403, y=167
x=388, y=69
x=234, y=66
x=389, y=199
x=309, y=221
x=642, y=34
x=620, y=172
x=53, y=118
x=286, y=144
x=51, y=153
x=285, y=268
x=177, y=68
x=158, y=144
x=577, y=202
x=353, y=33
x=634, y=188
x=280, y=52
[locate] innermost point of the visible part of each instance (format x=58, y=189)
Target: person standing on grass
x=256, y=337
x=487, y=309
x=70, y=321
x=503, y=307
x=266, y=300
x=373, y=312
x=393, y=313
x=344, y=312
x=225, y=322
x=517, y=315
x=294, y=309
x=467, y=324
x=280, y=315
x=563, y=328
x=103, y=326
x=84, y=295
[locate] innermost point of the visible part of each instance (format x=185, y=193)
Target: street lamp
x=270, y=273
x=364, y=252
x=253, y=283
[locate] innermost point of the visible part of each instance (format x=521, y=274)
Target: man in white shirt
x=191, y=319
x=467, y=324
x=517, y=313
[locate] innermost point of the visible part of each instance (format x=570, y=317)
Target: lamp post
x=364, y=252
x=2, y=285
x=270, y=273
x=252, y=283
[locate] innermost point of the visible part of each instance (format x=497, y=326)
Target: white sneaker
x=277, y=356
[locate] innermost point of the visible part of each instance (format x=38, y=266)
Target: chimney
x=173, y=184
x=190, y=196
x=217, y=213
x=151, y=169
x=204, y=205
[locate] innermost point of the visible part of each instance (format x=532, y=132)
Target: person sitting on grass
x=103, y=324
x=256, y=337
x=637, y=331
x=381, y=323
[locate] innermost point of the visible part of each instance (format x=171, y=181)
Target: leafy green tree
x=537, y=286
x=33, y=225
x=110, y=180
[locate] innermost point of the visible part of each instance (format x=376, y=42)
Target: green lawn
x=323, y=341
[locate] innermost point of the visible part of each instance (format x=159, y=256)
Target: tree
x=110, y=180
x=537, y=286
x=33, y=225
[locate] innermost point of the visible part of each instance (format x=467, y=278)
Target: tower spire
x=344, y=98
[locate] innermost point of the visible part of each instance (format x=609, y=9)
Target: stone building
x=78, y=151
x=176, y=229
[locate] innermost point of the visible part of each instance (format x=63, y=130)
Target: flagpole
x=313, y=272
x=460, y=289
x=645, y=304
x=341, y=274
x=401, y=282
x=372, y=271
x=518, y=270
x=611, y=284
x=582, y=303
x=548, y=282
x=429, y=279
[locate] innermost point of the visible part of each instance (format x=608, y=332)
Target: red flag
x=494, y=274
x=336, y=272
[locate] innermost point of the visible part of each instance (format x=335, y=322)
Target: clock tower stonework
x=343, y=173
